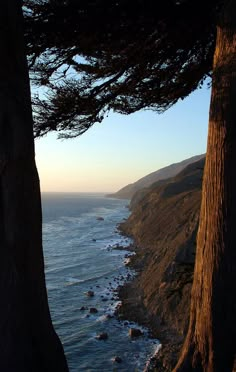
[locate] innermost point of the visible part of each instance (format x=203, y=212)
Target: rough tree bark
x=211, y=340
x=28, y=342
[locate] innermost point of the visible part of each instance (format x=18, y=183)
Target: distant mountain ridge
x=172, y=170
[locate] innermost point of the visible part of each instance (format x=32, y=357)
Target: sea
x=82, y=256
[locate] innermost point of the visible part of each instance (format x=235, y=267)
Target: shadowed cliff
x=164, y=225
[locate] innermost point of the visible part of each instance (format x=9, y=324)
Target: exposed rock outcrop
x=93, y=310
x=100, y=219
x=164, y=225
x=117, y=359
x=90, y=293
x=135, y=332
x=102, y=336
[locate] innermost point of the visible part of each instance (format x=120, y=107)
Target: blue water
x=79, y=233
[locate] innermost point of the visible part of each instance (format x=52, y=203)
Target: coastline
x=84, y=268
x=132, y=308
x=163, y=225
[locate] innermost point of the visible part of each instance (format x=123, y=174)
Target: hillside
x=164, y=225
x=172, y=170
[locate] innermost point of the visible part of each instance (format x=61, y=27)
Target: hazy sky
x=122, y=149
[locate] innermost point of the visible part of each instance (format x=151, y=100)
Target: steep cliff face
x=164, y=225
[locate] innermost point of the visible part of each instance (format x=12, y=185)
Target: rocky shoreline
x=110, y=295
x=132, y=308
x=163, y=226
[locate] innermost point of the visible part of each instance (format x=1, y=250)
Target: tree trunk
x=211, y=340
x=28, y=342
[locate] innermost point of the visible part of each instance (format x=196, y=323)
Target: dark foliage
x=100, y=55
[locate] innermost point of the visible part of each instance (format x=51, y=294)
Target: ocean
x=80, y=238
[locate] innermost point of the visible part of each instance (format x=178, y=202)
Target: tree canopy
x=100, y=55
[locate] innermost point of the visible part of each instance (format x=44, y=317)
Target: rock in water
x=135, y=332
x=102, y=336
x=90, y=293
x=117, y=359
x=93, y=310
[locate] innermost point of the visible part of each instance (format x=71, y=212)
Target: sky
x=124, y=148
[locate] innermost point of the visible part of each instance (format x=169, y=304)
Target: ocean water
x=80, y=236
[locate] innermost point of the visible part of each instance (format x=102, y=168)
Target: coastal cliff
x=163, y=224
x=141, y=186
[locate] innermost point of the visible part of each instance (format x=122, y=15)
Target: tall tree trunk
x=211, y=340
x=28, y=342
